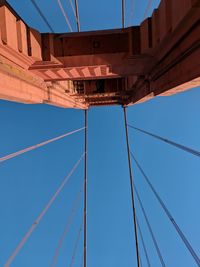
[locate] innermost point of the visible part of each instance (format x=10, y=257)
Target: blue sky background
x=28, y=181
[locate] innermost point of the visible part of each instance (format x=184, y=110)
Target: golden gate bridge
x=109, y=67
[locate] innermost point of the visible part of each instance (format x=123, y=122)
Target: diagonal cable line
x=76, y=13
x=73, y=8
x=150, y=228
x=15, y=154
x=76, y=245
x=65, y=15
x=42, y=214
x=37, y=7
x=167, y=212
x=143, y=243
x=182, y=147
x=67, y=227
x=123, y=14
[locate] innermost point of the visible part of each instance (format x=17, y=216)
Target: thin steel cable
x=67, y=227
x=143, y=243
x=41, y=215
x=182, y=147
x=150, y=228
x=167, y=212
x=76, y=13
x=73, y=8
x=146, y=12
x=65, y=15
x=132, y=190
x=123, y=14
x=42, y=15
x=12, y=155
x=76, y=245
x=77, y=16
x=85, y=190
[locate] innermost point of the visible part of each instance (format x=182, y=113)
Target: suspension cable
x=143, y=243
x=73, y=9
x=167, y=212
x=76, y=245
x=132, y=190
x=76, y=13
x=67, y=227
x=123, y=14
x=85, y=190
x=150, y=228
x=184, y=148
x=149, y=4
x=77, y=16
x=12, y=155
x=41, y=215
x=65, y=15
x=42, y=15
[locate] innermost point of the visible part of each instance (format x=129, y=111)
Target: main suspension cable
x=184, y=148
x=167, y=212
x=85, y=190
x=12, y=155
x=132, y=190
x=76, y=245
x=65, y=15
x=67, y=227
x=143, y=243
x=150, y=228
x=42, y=15
x=41, y=215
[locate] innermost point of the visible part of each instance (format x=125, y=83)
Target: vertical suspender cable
x=132, y=190
x=167, y=212
x=73, y=9
x=123, y=14
x=77, y=16
x=85, y=189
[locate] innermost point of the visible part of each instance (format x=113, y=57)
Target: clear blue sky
x=27, y=182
